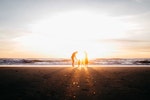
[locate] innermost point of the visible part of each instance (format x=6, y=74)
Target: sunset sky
x=56, y=28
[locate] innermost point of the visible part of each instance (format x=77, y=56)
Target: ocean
x=63, y=61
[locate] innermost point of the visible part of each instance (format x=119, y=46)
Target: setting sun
x=80, y=55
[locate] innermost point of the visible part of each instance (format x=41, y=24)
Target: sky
x=56, y=28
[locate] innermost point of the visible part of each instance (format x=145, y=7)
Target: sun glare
x=65, y=32
x=80, y=55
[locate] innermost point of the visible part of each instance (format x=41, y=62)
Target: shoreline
x=75, y=66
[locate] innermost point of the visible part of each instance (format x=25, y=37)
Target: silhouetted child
x=79, y=63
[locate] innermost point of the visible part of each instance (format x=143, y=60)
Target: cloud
x=123, y=40
x=139, y=1
x=129, y=43
x=10, y=34
x=7, y=40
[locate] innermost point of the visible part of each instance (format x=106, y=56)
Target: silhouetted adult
x=73, y=57
x=86, y=61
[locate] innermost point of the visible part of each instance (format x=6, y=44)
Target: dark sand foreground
x=67, y=83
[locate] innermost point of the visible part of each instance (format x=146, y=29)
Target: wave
x=54, y=61
x=121, y=61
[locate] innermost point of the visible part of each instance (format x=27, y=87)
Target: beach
x=77, y=83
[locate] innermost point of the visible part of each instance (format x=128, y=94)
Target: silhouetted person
x=86, y=61
x=79, y=62
x=73, y=57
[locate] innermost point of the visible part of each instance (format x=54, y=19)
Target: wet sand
x=67, y=83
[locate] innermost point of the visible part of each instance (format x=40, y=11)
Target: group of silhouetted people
x=84, y=61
